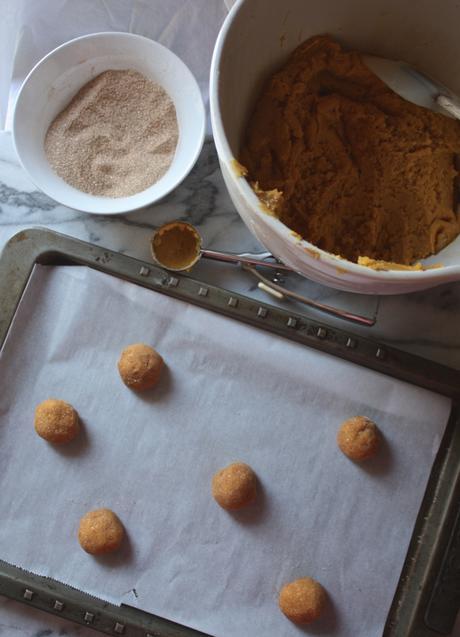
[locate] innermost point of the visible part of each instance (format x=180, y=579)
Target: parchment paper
x=231, y=392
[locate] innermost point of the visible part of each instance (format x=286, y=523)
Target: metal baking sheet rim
x=428, y=594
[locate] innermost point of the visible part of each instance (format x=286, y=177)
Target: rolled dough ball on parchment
x=234, y=486
x=100, y=532
x=303, y=600
x=140, y=366
x=359, y=438
x=56, y=421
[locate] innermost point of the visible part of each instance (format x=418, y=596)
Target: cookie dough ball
x=303, y=600
x=234, y=486
x=56, y=421
x=140, y=366
x=358, y=438
x=100, y=532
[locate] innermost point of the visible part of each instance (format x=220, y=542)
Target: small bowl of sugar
x=109, y=123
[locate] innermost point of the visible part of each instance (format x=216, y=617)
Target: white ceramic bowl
x=256, y=39
x=57, y=78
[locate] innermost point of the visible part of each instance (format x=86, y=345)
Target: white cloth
x=29, y=29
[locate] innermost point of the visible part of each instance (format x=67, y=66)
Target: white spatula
x=414, y=86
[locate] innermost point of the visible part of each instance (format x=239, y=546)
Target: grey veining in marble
x=424, y=323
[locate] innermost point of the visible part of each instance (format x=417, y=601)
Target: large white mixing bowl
x=256, y=38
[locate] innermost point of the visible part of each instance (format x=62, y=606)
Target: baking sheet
x=231, y=392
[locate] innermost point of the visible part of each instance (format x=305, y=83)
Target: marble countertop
x=424, y=323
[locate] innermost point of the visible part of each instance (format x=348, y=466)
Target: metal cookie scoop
x=177, y=246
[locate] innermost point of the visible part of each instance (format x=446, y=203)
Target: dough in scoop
x=234, y=486
x=140, y=366
x=56, y=421
x=100, y=532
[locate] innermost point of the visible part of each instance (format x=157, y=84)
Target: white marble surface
x=424, y=323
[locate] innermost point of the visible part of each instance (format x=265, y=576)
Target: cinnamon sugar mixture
x=117, y=136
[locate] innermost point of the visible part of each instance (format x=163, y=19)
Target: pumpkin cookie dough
x=234, y=486
x=358, y=438
x=357, y=170
x=56, y=421
x=176, y=245
x=140, y=366
x=303, y=600
x=100, y=532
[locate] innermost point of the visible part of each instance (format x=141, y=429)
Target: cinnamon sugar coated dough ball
x=140, y=366
x=303, y=600
x=56, y=421
x=100, y=532
x=234, y=486
x=358, y=438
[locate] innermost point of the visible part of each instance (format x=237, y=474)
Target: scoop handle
x=250, y=262
x=246, y=258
